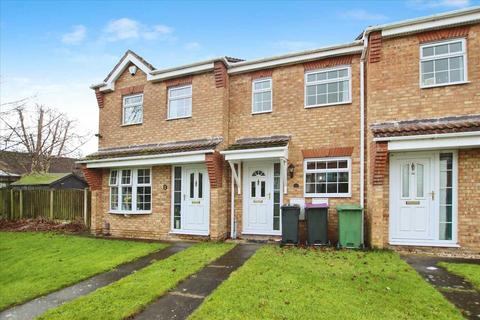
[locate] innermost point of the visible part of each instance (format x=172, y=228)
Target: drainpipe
x=233, y=232
x=362, y=118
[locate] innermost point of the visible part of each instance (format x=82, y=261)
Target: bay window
x=130, y=191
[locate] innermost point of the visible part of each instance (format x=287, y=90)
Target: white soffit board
x=252, y=154
x=467, y=18
x=437, y=143
x=126, y=162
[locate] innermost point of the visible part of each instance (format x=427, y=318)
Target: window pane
x=332, y=177
x=113, y=177
x=428, y=79
x=441, y=49
x=132, y=114
x=252, y=190
x=441, y=65
x=321, y=177
x=322, y=99
x=406, y=180
x=343, y=177
x=126, y=176
x=332, y=164
x=456, y=63
x=133, y=100
x=343, y=164
x=455, y=47
x=178, y=172
x=310, y=165
x=427, y=66
x=192, y=185
x=332, y=74
x=310, y=188
x=456, y=75
x=441, y=77
x=143, y=198
x=311, y=77
x=143, y=176
x=321, y=88
x=420, y=177
x=127, y=198
x=200, y=185
x=114, y=198
x=427, y=51
x=262, y=184
x=445, y=231
x=311, y=101
x=332, y=188
x=343, y=188
x=311, y=90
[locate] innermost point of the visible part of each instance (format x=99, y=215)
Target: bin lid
x=316, y=205
x=348, y=207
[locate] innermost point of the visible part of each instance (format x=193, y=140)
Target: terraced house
x=390, y=121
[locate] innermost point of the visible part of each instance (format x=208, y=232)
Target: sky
x=54, y=50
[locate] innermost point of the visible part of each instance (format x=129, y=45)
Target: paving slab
x=455, y=288
x=36, y=307
x=180, y=302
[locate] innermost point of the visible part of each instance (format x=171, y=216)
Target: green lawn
x=131, y=294
x=293, y=283
x=469, y=271
x=33, y=264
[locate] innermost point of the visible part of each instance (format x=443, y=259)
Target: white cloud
x=125, y=28
x=192, y=46
x=363, y=15
x=427, y=4
x=294, y=45
x=76, y=36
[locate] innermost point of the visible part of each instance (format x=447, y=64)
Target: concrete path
x=36, y=307
x=189, y=294
x=456, y=289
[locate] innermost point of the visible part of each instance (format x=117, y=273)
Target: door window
x=276, y=196
x=258, y=184
x=177, y=197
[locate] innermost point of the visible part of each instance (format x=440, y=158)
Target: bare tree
x=44, y=133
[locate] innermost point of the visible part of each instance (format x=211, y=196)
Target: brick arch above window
x=443, y=34
x=330, y=62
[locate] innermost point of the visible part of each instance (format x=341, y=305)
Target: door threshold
x=190, y=233
x=424, y=244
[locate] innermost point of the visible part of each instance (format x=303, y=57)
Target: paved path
x=36, y=307
x=189, y=294
x=458, y=291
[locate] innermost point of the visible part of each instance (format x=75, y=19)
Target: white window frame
x=134, y=184
x=124, y=106
x=448, y=55
x=327, y=195
x=170, y=89
x=269, y=79
x=348, y=77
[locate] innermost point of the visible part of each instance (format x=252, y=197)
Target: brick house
x=213, y=149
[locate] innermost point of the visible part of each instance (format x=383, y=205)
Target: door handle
x=432, y=194
x=269, y=195
x=184, y=196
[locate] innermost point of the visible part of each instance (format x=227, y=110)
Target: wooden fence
x=65, y=204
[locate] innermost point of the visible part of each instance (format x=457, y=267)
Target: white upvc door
x=258, y=198
x=417, y=199
x=195, y=201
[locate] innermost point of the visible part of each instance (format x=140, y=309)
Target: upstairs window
x=327, y=87
x=443, y=63
x=180, y=102
x=327, y=177
x=132, y=109
x=262, y=95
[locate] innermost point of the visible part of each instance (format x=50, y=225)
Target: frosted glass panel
x=420, y=181
x=405, y=180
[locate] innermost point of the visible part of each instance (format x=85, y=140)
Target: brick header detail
x=99, y=96
x=132, y=90
x=178, y=81
x=328, y=152
x=443, y=34
x=379, y=161
x=261, y=74
x=221, y=76
x=375, y=44
x=214, y=162
x=329, y=62
x=93, y=177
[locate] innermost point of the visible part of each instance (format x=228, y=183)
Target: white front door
x=258, y=198
x=195, y=202
x=412, y=191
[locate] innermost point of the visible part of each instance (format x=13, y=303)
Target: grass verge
x=33, y=264
x=131, y=294
x=291, y=283
x=469, y=271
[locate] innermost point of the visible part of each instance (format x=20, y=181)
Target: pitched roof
x=260, y=142
x=158, y=148
x=19, y=163
x=427, y=126
x=36, y=179
x=124, y=56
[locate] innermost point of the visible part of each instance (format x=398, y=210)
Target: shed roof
x=37, y=179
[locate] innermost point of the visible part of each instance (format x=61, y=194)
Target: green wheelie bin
x=350, y=226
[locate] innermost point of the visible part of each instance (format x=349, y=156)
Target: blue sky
x=54, y=50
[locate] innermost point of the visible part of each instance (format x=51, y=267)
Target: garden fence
x=52, y=204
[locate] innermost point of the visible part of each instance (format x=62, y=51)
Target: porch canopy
x=178, y=152
x=274, y=148
x=429, y=134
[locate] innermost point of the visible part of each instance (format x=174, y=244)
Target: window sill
x=131, y=124
x=326, y=195
x=261, y=112
x=328, y=104
x=444, y=85
x=190, y=233
x=128, y=213
x=179, y=118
